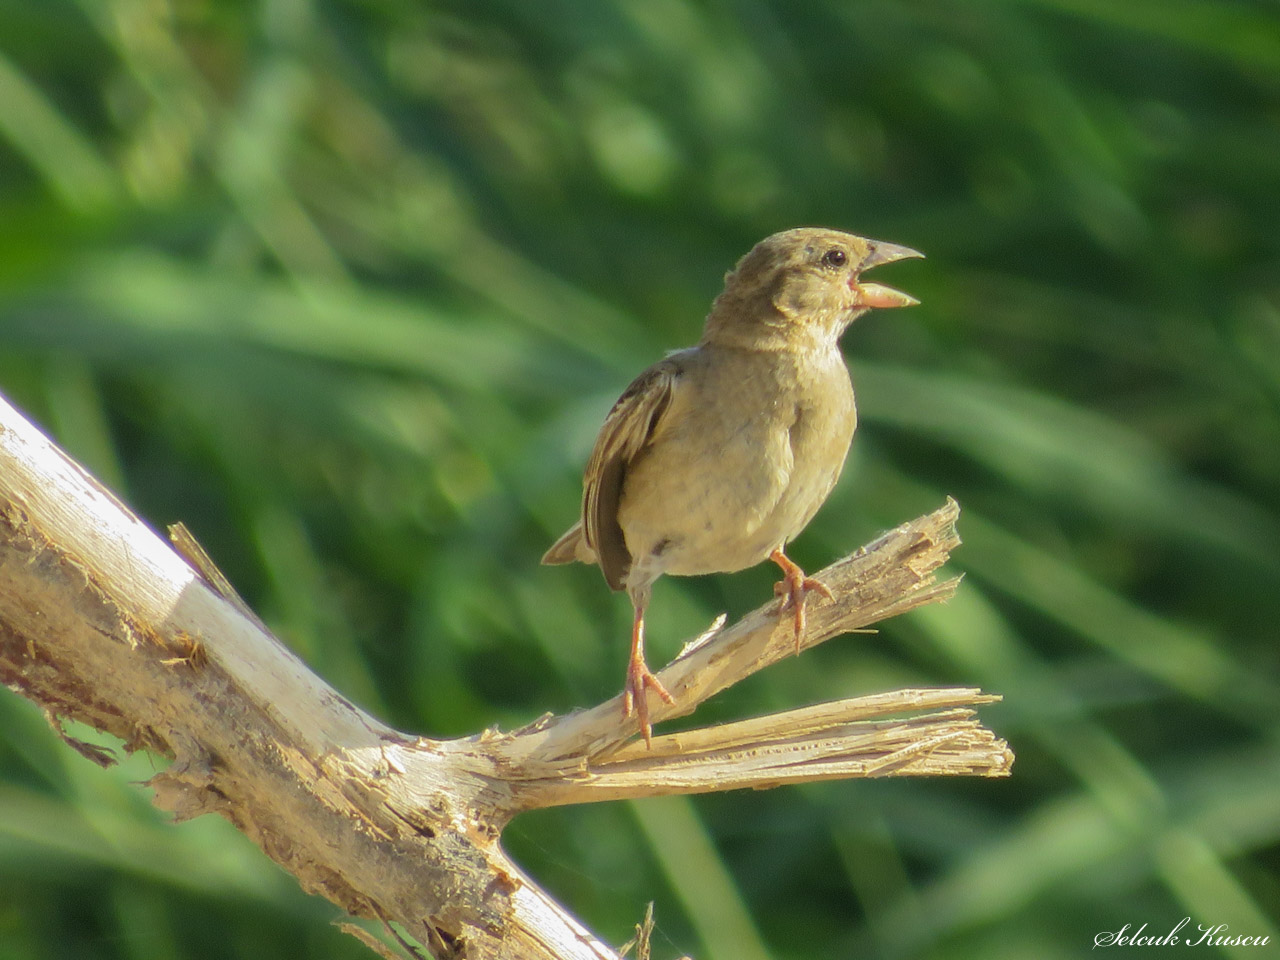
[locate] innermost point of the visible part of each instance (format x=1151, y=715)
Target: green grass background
x=348, y=286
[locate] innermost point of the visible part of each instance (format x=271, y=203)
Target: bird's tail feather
x=570, y=547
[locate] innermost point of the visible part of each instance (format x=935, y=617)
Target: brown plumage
x=718, y=455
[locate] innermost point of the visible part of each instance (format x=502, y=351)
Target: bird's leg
x=793, y=588
x=639, y=676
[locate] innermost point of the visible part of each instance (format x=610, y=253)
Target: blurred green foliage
x=347, y=286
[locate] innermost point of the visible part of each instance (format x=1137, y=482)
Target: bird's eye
x=835, y=258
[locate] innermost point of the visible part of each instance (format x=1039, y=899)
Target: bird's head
x=810, y=278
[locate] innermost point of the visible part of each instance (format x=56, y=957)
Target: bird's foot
x=635, y=699
x=794, y=588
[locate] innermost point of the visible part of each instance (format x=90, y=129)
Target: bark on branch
x=102, y=621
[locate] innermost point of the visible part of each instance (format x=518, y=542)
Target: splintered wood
x=103, y=622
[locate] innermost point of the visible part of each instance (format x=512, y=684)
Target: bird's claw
x=794, y=588
x=635, y=698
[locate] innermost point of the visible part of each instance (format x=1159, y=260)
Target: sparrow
x=718, y=455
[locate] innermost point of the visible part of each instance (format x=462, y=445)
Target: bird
x=718, y=455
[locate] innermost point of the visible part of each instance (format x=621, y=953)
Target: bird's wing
x=627, y=430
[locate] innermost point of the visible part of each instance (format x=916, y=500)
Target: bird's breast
x=749, y=450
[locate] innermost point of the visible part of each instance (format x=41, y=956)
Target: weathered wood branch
x=102, y=621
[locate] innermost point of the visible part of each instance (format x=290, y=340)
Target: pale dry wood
x=795, y=746
x=102, y=621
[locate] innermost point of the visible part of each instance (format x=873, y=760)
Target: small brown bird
x=718, y=455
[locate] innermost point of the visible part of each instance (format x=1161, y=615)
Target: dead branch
x=102, y=621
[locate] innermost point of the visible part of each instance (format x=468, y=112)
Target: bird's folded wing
x=626, y=432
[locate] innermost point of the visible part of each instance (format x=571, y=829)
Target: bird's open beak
x=879, y=252
x=880, y=297
x=874, y=294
